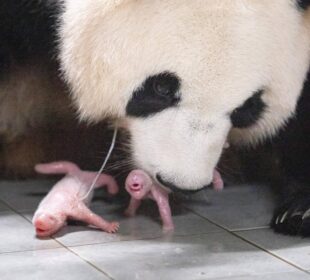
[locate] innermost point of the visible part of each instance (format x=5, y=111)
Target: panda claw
x=283, y=217
x=306, y=215
x=293, y=217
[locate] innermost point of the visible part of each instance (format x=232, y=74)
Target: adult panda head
x=186, y=75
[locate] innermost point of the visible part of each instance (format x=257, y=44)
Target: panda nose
x=175, y=188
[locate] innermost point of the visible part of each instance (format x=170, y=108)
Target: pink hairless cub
x=69, y=198
x=140, y=186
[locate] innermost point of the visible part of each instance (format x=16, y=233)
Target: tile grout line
x=28, y=251
x=270, y=253
x=249, y=229
x=123, y=241
x=248, y=241
x=89, y=263
x=83, y=259
x=10, y=207
x=110, y=242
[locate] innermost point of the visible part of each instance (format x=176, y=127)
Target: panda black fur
x=37, y=121
x=27, y=29
x=30, y=91
x=283, y=162
x=289, y=153
x=303, y=4
x=28, y=33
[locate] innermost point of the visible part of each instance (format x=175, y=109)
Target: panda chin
x=171, y=187
x=217, y=184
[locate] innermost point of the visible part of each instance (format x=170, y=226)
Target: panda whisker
x=121, y=164
x=123, y=171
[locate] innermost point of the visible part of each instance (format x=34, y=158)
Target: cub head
x=186, y=75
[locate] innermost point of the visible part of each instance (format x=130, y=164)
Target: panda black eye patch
x=303, y=4
x=250, y=112
x=156, y=94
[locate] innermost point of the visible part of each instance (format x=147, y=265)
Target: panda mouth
x=171, y=187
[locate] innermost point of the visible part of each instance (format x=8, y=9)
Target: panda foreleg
x=292, y=216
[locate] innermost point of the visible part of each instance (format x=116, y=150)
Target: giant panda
x=185, y=78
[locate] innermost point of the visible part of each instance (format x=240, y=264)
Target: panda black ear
x=303, y=4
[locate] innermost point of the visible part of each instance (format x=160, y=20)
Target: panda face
x=187, y=75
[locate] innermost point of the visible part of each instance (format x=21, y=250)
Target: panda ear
x=303, y=4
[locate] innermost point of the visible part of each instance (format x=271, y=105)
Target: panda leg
x=292, y=217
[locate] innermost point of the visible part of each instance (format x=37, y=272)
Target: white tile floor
x=218, y=236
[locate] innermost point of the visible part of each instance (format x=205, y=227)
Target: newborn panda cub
x=69, y=199
x=140, y=186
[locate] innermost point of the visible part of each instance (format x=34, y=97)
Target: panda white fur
x=186, y=76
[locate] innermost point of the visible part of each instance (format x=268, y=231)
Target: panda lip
x=170, y=187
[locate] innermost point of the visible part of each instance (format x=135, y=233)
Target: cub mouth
x=135, y=188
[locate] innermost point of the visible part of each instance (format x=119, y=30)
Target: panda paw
x=293, y=216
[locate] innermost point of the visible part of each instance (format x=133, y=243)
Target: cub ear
x=303, y=4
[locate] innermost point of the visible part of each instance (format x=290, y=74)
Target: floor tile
x=237, y=207
x=274, y=276
x=293, y=249
x=197, y=250
x=24, y=195
x=145, y=225
x=58, y=264
x=3, y=207
x=192, y=257
x=17, y=234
